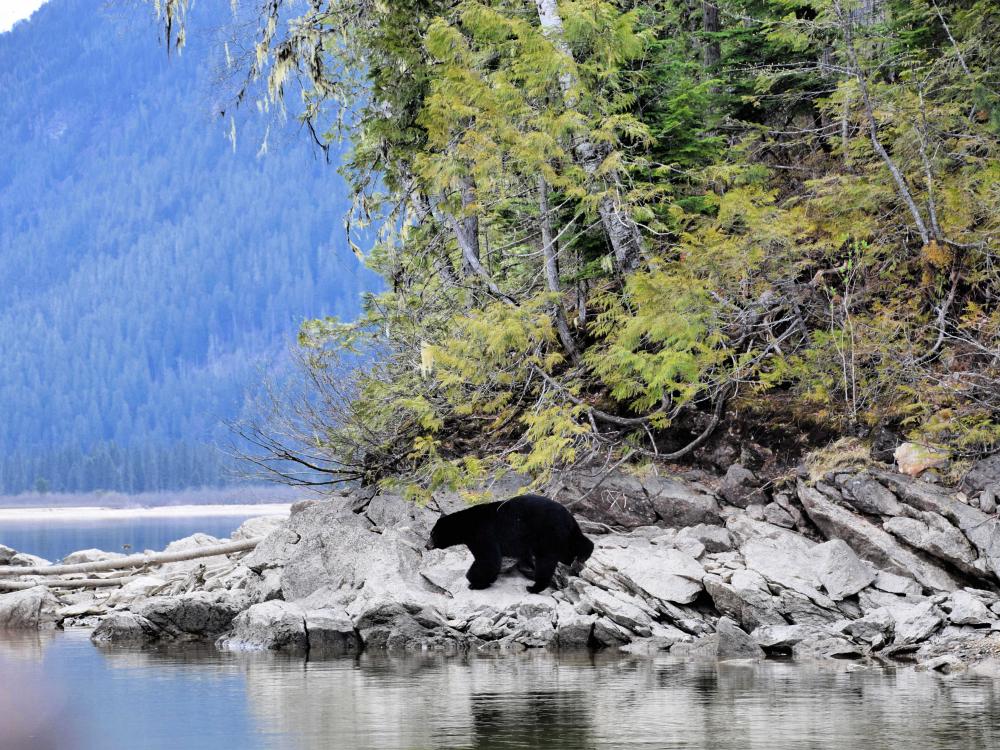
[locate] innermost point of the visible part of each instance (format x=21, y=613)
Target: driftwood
x=77, y=583
x=132, y=561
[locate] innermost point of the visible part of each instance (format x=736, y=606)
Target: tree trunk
x=132, y=561
x=621, y=230
x=712, y=53
x=549, y=250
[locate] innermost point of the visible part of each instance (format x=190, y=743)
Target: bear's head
x=446, y=533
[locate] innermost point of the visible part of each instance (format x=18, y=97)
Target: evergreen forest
x=153, y=265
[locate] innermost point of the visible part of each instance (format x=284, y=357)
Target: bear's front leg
x=486, y=568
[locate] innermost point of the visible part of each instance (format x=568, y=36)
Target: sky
x=15, y=10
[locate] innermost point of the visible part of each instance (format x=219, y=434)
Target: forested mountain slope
x=150, y=268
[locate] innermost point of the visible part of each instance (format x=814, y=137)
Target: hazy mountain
x=148, y=268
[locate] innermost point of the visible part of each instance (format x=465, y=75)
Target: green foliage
x=817, y=207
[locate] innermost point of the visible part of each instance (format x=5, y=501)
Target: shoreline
x=95, y=513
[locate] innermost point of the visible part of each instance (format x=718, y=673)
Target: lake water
x=54, y=539
x=85, y=698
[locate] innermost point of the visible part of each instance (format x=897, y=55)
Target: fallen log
x=132, y=561
x=75, y=583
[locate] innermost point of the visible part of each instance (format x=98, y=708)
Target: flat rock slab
x=662, y=573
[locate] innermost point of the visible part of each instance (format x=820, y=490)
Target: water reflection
x=196, y=697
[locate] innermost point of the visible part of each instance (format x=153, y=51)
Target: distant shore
x=84, y=513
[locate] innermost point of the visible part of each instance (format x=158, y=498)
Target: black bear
x=537, y=531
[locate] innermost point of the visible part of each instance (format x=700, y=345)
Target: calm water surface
x=175, y=699
x=56, y=538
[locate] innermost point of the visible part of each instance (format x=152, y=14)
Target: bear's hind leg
x=526, y=565
x=545, y=567
x=485, y=568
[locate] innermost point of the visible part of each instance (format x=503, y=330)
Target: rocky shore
x=857, y=563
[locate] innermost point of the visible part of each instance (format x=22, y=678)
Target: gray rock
x=868, y=495
x=745, y=599
x=914, y=623
x=968, y=610
x=740, y=487
x=875, y=627
x=982, y=474
x=393, y=626
x=24, y=560
x=712, y=538
x=88, y=556
x=200, y=614
x=774, y=513
x=679, y=503
x=659, y=572
x=935, y=536
x=394, y=511
x=607, y=632
x=264, y=586
x=988, y=500
x=330, y=632
x=781, y=636
x=734, y=643
x=616, y=500
x=6, y=553
x=258, y=527
x=268, y=626
x=946, y=664
x=35, y=608
x=573, y=630
x=619, y=607
x=125, y=629
x=894, y=584
x=870, y=542
x=787, y=562
x=982, y=530
x=840, y=570
x=828, y=647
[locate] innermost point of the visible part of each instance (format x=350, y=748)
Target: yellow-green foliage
x=819, y=241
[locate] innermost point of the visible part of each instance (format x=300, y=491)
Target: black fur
x=539, y=532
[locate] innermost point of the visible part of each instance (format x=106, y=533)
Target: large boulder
x=866, y=494
x=840, y=570
x=36, y=608
x=679, y=503
x=871, y=542
x=966, y=609
x=983, y=474
x=330, y=632
x=125, y=629
x=268, y=626
x=981, y=529
x=741, y=487
x=629, y=501
x=734, y=643
x=193, y=616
